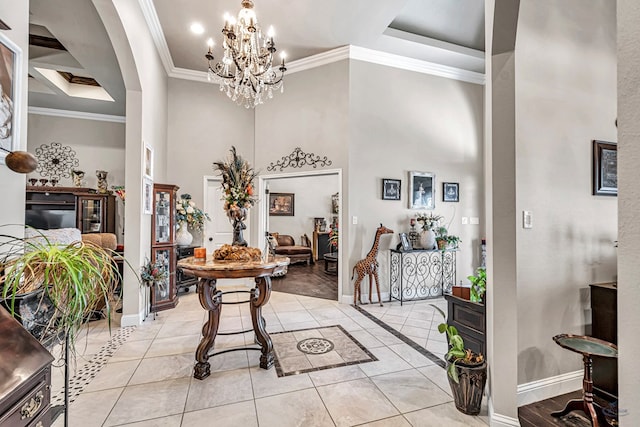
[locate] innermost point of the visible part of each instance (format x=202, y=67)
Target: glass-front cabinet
x=91, y=215
x=164, y=214
x=163, y=247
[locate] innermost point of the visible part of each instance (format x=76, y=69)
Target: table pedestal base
x=211, y=300
x=586, y=404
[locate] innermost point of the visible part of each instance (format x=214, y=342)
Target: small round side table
x=587, y=346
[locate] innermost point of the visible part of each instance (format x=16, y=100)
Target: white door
x=219, y=230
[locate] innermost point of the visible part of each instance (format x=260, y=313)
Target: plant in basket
x=466, y=370
x=153, y=273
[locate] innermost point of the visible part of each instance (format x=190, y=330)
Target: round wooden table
x=209, y=272
x=588, y=347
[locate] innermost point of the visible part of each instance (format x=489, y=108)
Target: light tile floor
x=148, y=379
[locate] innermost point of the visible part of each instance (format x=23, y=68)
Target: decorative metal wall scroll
x=55, y=160
x=298, y=159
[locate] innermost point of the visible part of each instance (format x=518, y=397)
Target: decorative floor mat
x=83, y=376
x=314, y=349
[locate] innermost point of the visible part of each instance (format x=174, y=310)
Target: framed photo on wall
x=281, y=204
x=147, y=196
x=421, y=190
x=147, y=157
x=450, y=192
x=10, y=88
x=390, y=189
x=605, y=168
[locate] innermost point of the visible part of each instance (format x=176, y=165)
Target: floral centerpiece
x=237, y=184
x=429, y=221
x=333, y=238
x=188, y=212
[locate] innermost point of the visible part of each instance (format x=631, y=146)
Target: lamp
x=245, y=72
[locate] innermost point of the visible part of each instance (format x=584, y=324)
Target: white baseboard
x=348, y=299
x=499, y=420
x=131, y=319
x=536, y=391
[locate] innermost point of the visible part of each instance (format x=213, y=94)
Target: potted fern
x=66, y=282
x=466, y=370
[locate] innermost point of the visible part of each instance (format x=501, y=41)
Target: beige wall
x=16, y=15
x=99, y=145
x=629, y=203
x=565, y=72
x=312, y=196
x=202, y=126
x=402, y=121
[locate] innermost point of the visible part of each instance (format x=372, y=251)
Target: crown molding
x=417, y=65
x=153, y=23
x=76, y=114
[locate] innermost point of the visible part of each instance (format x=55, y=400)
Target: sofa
x=286, y=246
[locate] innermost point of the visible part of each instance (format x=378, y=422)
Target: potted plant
x=441, y=237
x=68, y=282
x=466, y=371
x=453, y=241
x=478, y=284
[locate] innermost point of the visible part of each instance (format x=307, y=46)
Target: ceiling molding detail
x=153, y=22
x=76, y=115
x=419, y=66
x=334, y=55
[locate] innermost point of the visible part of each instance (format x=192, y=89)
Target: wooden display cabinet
x=50, y=208
x=163, y=246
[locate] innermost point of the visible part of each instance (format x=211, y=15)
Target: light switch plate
x=474, y=220
x=465, y=220
x=527, y=219
x=354, y=220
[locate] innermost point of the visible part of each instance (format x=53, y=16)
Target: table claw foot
x=266, y=360
x=572, y=405
x=202, y=370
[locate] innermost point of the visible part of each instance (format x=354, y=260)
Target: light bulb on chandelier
x=246, y=72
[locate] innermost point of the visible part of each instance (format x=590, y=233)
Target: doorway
x=311, y=193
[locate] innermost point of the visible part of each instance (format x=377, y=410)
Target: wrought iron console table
x=421, y=273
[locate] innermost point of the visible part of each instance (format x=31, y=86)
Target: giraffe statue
x=369, y=265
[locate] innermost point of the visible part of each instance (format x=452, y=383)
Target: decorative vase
x=236, y=216
x=183, y=237
x=427, y=239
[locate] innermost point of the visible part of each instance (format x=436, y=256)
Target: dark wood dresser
x=25, y=377
x=470, y=321
x=604, y=325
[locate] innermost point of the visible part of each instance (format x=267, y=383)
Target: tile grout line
x=435, y=359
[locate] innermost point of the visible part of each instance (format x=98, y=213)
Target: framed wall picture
x=10, y=88
x=390, y=189
x=450, y=192
x=281, y=204
x=605, y=168
x=147, y=196
x=422, y=190
x=147, y=157
x=405, y=242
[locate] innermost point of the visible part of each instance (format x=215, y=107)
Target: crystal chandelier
x=245, y=72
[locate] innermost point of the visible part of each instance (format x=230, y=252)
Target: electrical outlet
x=354, y=220
x=475, y=220
x=465, y=220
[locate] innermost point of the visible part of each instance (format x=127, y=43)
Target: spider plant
x=78, y=278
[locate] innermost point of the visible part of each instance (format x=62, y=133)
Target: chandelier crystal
x=246, y=73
